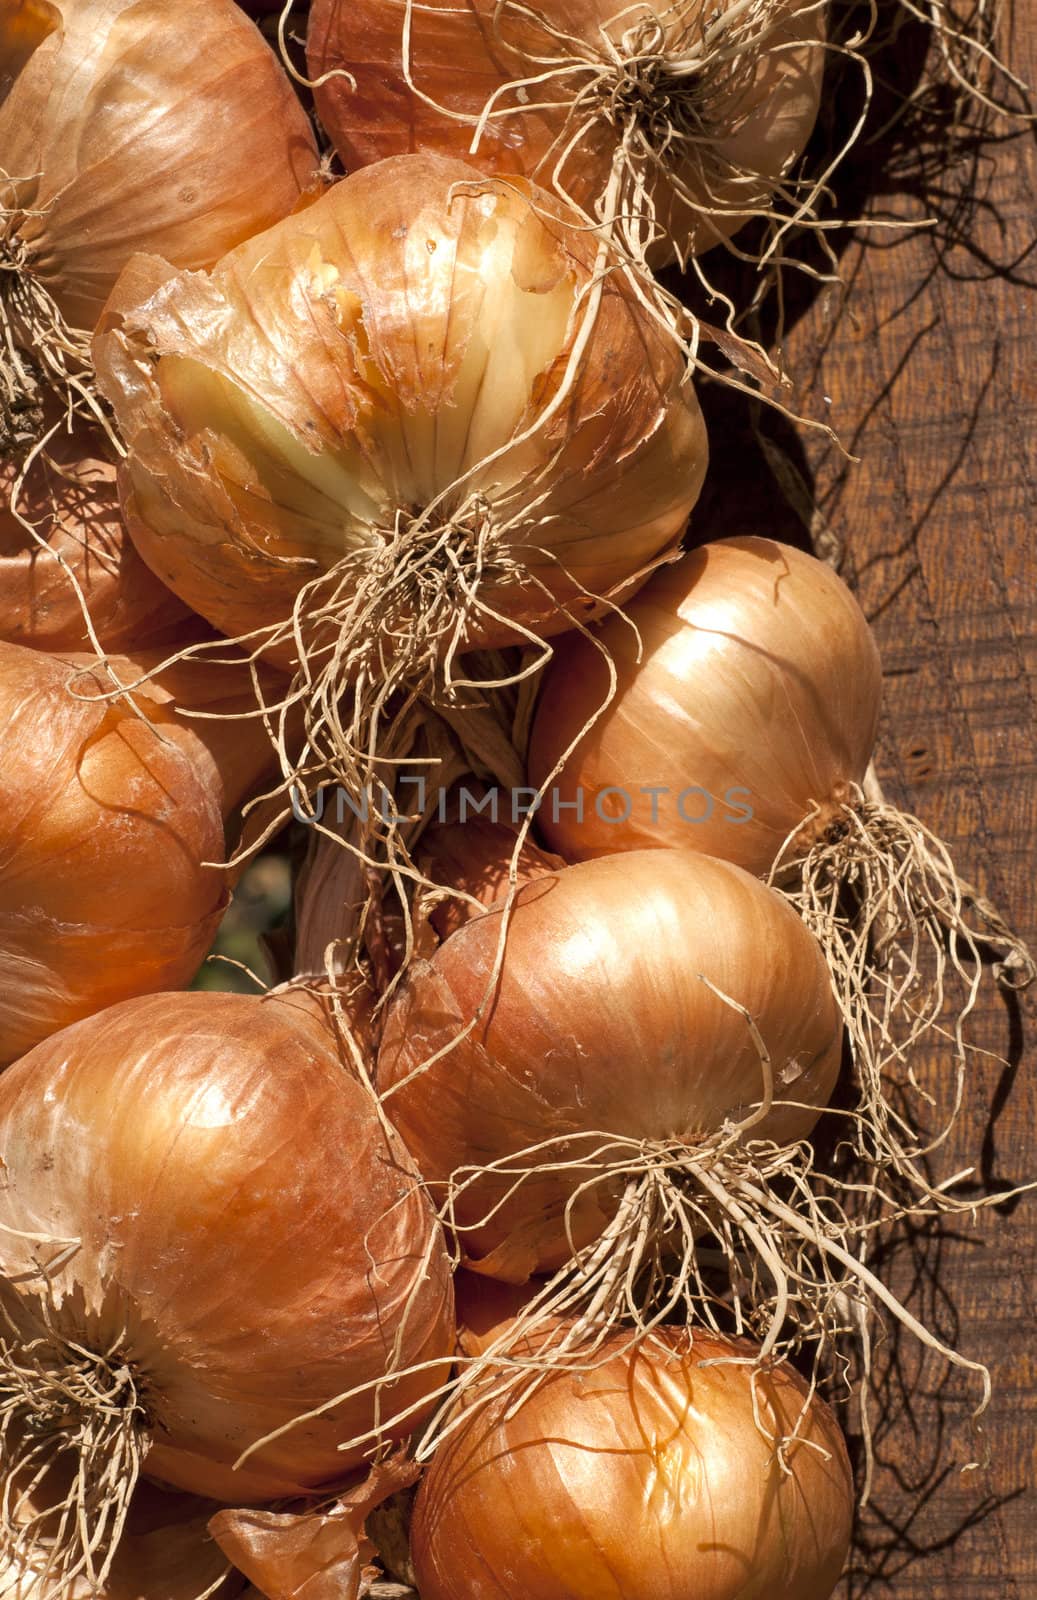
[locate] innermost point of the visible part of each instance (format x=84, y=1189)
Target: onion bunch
x=417, y=418
x=219, y=1267
x=125, y=125
x=733, y=709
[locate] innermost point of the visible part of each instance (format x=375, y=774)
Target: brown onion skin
x=243, y=1214
x=642, y=1479
x=165, y=1553
x=458, y=60
x=107, y=821
x=357, y=328
x=598, y=1023
x=760, y=674
x=474, y=856
x=137, y=125
x=74, y=507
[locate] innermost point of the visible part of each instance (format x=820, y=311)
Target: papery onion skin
x=243, y=1215
x=72, y=502
x=600, y=1023
x=107, y=821
x=165, y=1553
x=139, y=125
x=462, y=55
x=349, y=365
x=473, y=855
x=645, y=1478
x=760, y=685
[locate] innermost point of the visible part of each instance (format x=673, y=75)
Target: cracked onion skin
x=598, y=1023
x=644, y=1478
x=249, y=1233
x=355, y=362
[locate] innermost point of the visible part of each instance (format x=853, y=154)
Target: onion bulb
x=126, y=125
x=108, y=818
x=742, y=723
x=219, y=1266
x=672, y=123
x=411, y=420
x=587, y=1082
x=745, y=709
x=63, y=547
x=668, y=1468
x=471, y=859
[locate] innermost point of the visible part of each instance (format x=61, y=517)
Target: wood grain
x=929, y=364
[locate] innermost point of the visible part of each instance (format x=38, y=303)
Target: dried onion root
x=744, y=683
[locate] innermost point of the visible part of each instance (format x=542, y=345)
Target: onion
x=745, y=709
x=581, y=1083
x=414, y=419
x=127, y=125
x=108, y=818
x=63, y=547
x=218, y=1264
x=672, y=1467
x=677, y=120
x=746, y=730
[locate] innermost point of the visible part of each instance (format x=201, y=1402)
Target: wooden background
x=929, y=361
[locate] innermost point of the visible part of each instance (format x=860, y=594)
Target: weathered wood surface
x=930, y=364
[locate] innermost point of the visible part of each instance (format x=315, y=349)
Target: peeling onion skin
x=106, y=821
x=599, y=1024
x=136, y=124
x=75, y=510
x=462, y=54
x=354, y=361
x=760, y=674
x=643, y=1479
x=243, y=1214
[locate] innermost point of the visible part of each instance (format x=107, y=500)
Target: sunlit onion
x=651, y=1475
x=107, y=821
x=251, y=1243
x=678, y=120
x=600, y=1045
x=405, y=422
x=127, y=125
